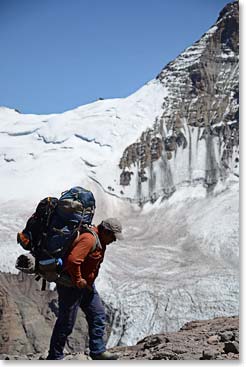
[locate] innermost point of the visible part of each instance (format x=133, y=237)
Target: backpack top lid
x=77, y=193
x=77, y=204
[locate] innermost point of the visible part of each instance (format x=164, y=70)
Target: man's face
x=108, y=237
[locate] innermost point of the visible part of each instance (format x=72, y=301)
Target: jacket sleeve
x=76, y=257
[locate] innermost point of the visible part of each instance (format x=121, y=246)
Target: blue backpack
x=50, y=232
x=74, y=209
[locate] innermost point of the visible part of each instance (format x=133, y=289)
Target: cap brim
x=118, y=236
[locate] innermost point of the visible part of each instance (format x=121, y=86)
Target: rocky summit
x=195, y=136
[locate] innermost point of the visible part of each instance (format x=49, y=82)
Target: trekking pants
x=69, y=300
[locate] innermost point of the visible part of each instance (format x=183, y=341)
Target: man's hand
x=82, y=283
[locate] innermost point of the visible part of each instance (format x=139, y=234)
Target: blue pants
x=69, y=300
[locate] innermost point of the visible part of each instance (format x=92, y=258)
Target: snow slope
x=70, y=147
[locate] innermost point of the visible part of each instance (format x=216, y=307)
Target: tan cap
x=113, y=225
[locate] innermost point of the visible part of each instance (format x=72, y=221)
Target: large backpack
x=50, y=233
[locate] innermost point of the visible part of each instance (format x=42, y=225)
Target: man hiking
x=82, y=264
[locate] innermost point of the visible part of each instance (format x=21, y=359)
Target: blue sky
x=59, y=54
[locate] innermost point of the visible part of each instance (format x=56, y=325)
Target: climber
x=82, y=264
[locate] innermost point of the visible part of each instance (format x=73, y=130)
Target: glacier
x=175, y=263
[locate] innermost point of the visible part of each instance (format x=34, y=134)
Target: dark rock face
x=27, y=316
x=201, y=106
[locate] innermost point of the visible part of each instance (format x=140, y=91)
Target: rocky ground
x=27, y=316
x=216, y=339
x=196, y=340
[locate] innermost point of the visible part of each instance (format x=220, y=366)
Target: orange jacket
x=80, y=263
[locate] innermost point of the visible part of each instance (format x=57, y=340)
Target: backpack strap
x=43, y=285
x=88, y=229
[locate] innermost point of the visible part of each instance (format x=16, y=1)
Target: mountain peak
x=231, y=9
x=228, y=23
x=180, y=128
x=199, y=117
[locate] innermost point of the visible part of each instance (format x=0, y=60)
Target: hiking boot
x=104, y=355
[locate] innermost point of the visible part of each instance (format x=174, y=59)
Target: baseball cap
x=113, y=225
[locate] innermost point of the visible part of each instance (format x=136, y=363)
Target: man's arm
x=76, y=257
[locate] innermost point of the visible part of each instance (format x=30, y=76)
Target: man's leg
x=68, y=301
x=92, y=306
